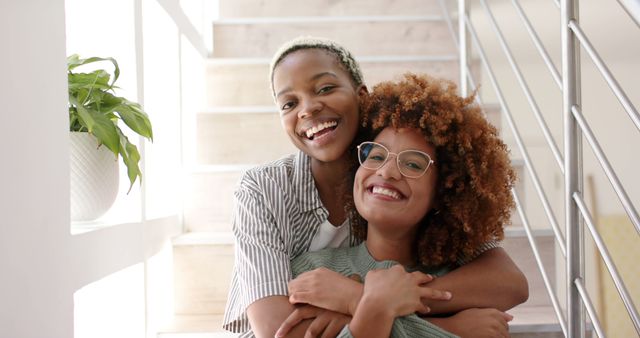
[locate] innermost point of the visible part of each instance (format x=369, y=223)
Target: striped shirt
x=276, y=215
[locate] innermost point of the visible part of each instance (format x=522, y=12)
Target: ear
x=362, y=90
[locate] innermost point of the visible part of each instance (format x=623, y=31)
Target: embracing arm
x=262, y=270
x=267, y=314
x=491, y=280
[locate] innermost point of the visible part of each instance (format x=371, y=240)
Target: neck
x=329, y=178
x=386, y=246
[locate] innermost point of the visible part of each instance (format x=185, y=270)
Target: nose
x=308, y=107
x=389, y=169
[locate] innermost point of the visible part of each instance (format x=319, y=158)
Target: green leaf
x=133, y=116
x=100, y=126
x=74, y=61
x=96, y=79
x=130, y=157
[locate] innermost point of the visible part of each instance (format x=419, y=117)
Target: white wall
x=43, y=266
x=35, y=289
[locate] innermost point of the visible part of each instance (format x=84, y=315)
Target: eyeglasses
x=411, y=163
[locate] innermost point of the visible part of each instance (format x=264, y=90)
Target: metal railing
x=572, y=319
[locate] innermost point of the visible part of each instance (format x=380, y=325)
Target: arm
x=261, y=270
x=491, y=280
x=389, y=294
x=266, y=315
x=328, y=289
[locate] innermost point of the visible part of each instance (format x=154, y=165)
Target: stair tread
x=533, y=319
x=526, y=319
x=194, y=323
x=324, y=18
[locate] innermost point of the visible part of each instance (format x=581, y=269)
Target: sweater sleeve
x=414, y=326
x=410, y=326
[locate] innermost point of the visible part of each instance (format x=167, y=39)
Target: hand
x=325, y=323
x=476, y=323
x=326, y=289
x=399, y=291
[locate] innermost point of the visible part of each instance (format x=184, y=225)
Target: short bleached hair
x=343, y=56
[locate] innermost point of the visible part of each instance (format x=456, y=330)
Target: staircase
x=240, y=128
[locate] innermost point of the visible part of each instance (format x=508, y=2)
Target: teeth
x=320, y=127
x=386, y=192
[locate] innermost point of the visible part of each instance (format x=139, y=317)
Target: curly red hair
x=473, y=198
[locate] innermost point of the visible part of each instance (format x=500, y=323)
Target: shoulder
x=275, y=173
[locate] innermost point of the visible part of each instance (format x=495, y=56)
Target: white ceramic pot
x=94, y=178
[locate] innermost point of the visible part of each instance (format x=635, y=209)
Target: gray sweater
x=357, y=260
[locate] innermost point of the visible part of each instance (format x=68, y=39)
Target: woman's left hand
x=325, y=323
x=326, y=289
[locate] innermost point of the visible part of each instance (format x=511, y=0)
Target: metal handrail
x=606, y=257
x=525, y=87
x=579, y=283
x=543, y=271
x=634, y=18
x=538, y=44
x=604, y=71
x=575, y=126
x=536, y=181
x=608, y=170
x=571, y=95
x=467, y=70
x=449, y=21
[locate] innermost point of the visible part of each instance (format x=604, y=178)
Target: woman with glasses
x=432, y=186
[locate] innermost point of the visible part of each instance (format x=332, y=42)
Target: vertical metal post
x=573, y=172
x=463, y=40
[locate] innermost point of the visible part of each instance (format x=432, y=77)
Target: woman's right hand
x=399, y=291
x=476, y=323
x=326, y=289
x=324, y=323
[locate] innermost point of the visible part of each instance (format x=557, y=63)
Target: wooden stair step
x=203, y=264
x=252, y=8
x=247, y=138
x=413, y=35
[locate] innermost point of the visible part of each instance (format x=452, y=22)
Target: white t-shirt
x=330, y=236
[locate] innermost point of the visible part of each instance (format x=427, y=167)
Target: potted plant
x=96, y=138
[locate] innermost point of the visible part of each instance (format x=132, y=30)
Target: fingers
x=424, y=310
x=317, y=327
x=298, y=315
x=502, y=319
x=299, y=297
x=422, y=278
x=434, y=294
x=333, y=329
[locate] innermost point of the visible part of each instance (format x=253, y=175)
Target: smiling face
x=389, y=201
x=318, y=103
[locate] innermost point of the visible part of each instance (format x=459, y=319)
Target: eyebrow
x=313, y=78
